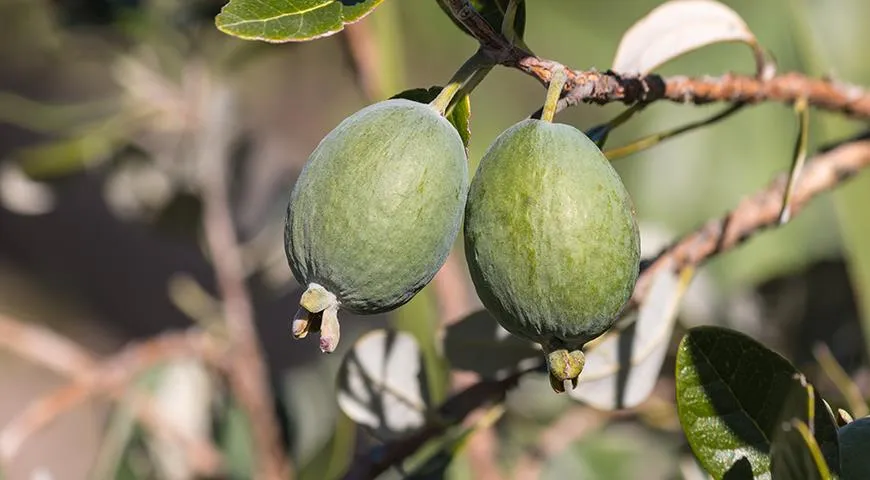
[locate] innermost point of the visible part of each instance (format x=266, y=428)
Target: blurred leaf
x=741, y=470
x=21, y=195
x=234, y=438
x=676, y=28
x=622, y=369
x=459, y=116
x=730, y=391
x=333, y=459
x=70, y=155
x=382, y=384
x=494, y=12
x=283, y=21
x=479, y=344
x=47, y=118
x=794, y=453
x=628, y=453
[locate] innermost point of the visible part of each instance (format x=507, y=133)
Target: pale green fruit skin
x=378, y=205
x=551, y=238
x=854, y=439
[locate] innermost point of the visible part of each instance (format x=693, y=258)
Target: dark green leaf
x=493, y=11
x=460, y=116
x=730, y=391
x=280, y=21
x=477, y=343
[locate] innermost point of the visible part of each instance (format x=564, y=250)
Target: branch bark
x=112, y=377
x=760, y=211
x=593, y=86
x=247, y=373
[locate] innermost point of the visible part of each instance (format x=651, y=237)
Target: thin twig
x=43, y=347
x=456, y=409
x=760, y=211
x=247, y=374
x=604, y=87
x=112, y=377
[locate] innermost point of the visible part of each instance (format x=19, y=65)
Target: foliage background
x=104, y=278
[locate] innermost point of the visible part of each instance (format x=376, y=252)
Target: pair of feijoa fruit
x=551, y=239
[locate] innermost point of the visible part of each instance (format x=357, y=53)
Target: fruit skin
x=854, y=439
x=378, y=206
x=551, y=239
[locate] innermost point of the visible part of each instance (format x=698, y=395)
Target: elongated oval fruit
x=854, y=440
x=374, y=213
x=551, y=240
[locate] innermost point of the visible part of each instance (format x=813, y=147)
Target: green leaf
x=278, y=21
x=478, y=343
x=730, y=392
x=459, y=116
x=493, y=11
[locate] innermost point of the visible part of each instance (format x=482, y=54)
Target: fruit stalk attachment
x=557, y=82
x=465, y=79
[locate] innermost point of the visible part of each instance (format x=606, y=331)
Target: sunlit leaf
x=622, y=369
x=676, y=28
x=730, y=392
x=382, y=384
x=459, y=116
x=479, y=344
x=290, y=21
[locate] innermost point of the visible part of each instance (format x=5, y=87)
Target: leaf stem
x=554, y=91
x=466, y=73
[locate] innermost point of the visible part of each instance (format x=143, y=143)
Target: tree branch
x=605, y=87
x=112, y=377
x=247, y=373
x=760, y=211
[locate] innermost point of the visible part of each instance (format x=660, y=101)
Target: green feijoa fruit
x=854, y=439
x=374, y=213
x=551, y=240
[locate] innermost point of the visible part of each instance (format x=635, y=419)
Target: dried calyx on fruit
x=551, y=238
x=375, y=211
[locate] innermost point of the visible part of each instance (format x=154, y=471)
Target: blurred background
x=105, y=111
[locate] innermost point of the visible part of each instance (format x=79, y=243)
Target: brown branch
x=44, y=347
x=760, y=211
x=451, y=413
x=112, y=377
x=604, y=87
x=247, y=372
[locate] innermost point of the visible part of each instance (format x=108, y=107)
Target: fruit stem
x=464, y=75
x=554, y=91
